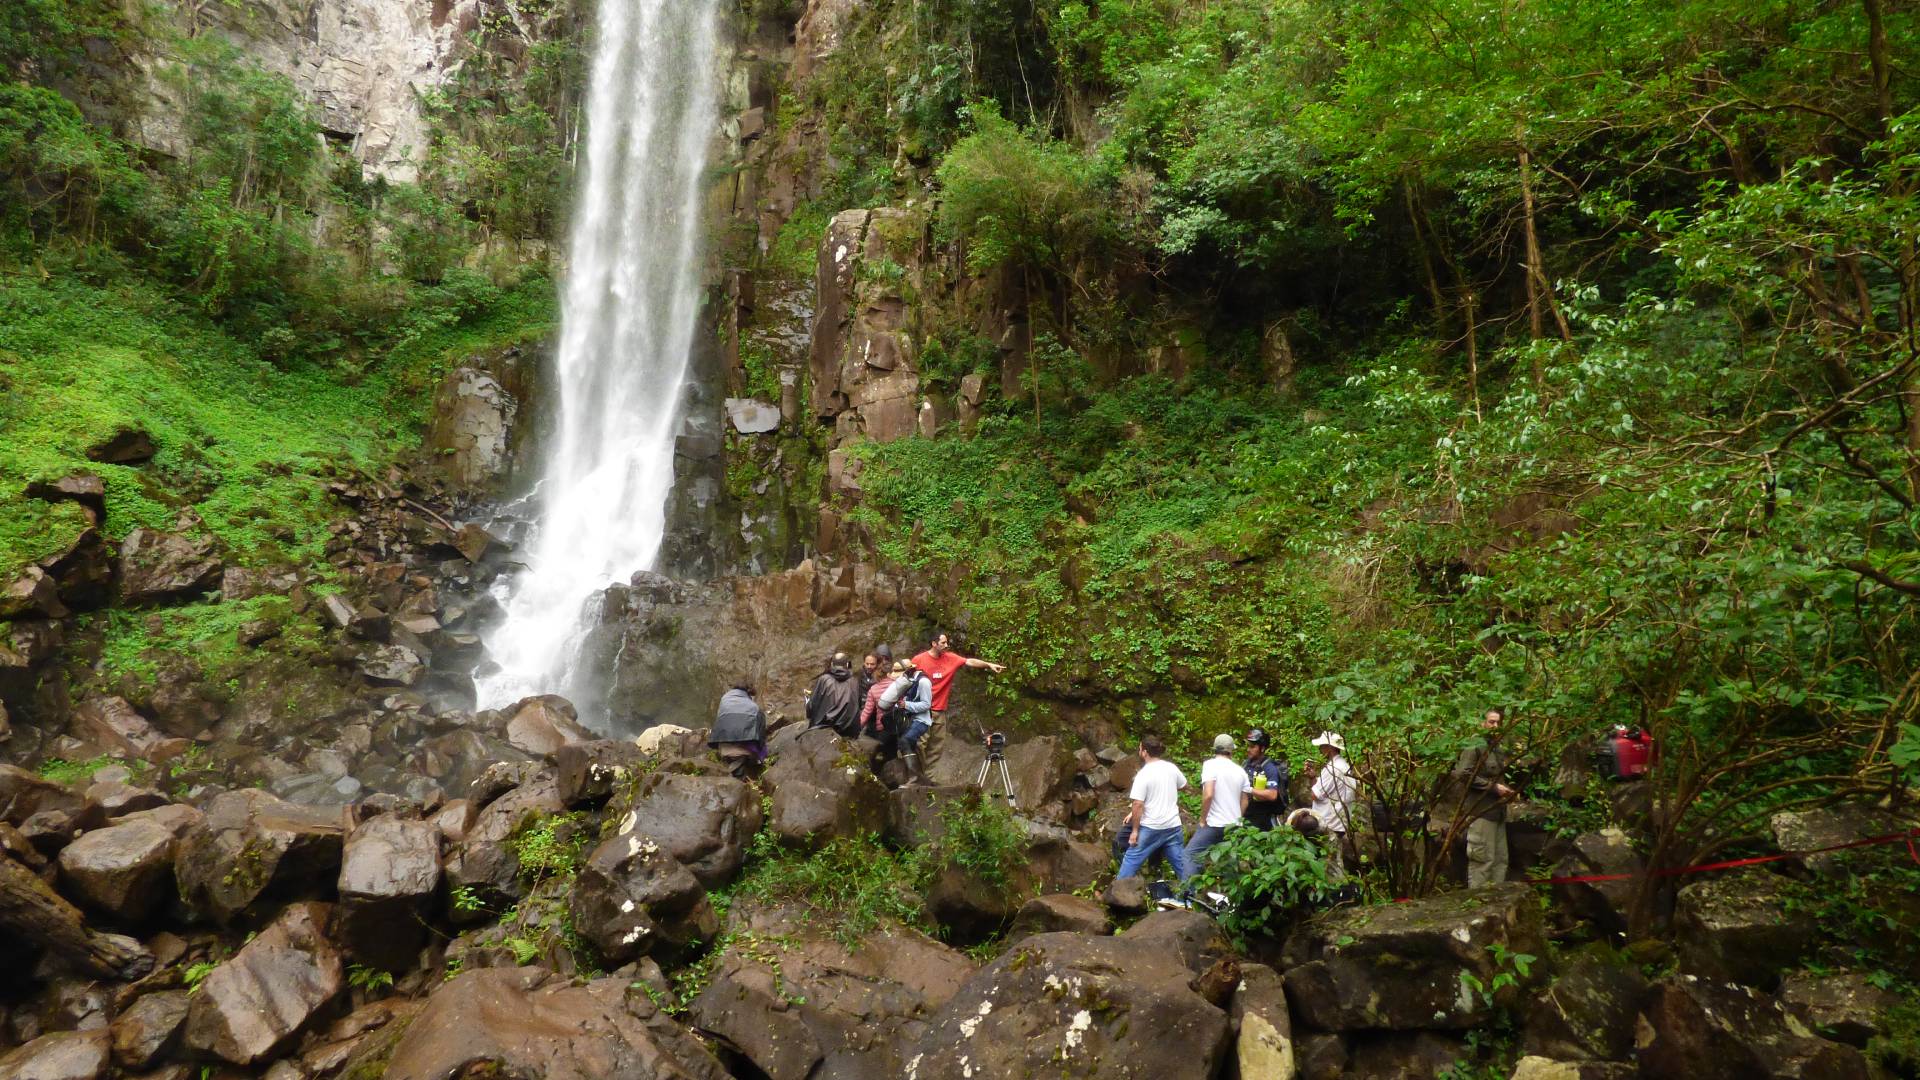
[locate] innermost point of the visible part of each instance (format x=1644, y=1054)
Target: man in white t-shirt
x=1223, y=799
x=1155, y=819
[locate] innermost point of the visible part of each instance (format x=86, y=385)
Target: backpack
x=894, y=718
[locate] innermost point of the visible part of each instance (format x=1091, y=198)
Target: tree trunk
x=32, y=911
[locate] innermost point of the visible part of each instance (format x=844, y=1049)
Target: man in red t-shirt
x=940, y=663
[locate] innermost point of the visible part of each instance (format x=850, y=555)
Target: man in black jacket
x=834, y=700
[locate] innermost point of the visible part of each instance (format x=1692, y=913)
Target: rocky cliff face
x=368, y=65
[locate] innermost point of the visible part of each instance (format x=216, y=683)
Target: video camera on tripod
x=995, y=744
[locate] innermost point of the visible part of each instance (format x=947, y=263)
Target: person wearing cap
x=1223, y=798
x=833, y=701
x=1334, y=788
x=1267, y=798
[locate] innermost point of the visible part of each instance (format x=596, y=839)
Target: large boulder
x=1831, y=826
x=471, y=428
x=632, y=897
x=1708, y=1030
x=156, y=566
x=112, y=725
x=1263, y=1048
x=123, y=871
x=590, y=771
x=255, y=1003
x=1842, y=1006
x=1740, y=928
x=149, y=1028
x=1060, y=911
x=1586, y=1013
x=250, y=844
x=797, y=1002
x=485, y=861
x=391, y=665
x=542, y=725
x=1603, y=903
x=706, y=822
x=23, y=794
x=823, y=789
x=505, y=1022
x=389, y=873
x=1074, y=1004
x=34, y=592
x=1400, y=966
x=1042, y=770
x=64, y=1055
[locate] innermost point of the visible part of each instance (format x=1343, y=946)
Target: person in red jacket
x=940, y=663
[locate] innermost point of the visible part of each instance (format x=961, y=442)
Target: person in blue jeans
x=1224, y=788
x=912, y=695
x=1154, y=822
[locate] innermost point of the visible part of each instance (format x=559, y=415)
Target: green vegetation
x=981, y=837
x=266, y=312
x=1392, y=361
x=62, y=771
x=852, y=885
x=1268, y=878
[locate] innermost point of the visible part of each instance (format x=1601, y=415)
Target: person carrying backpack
x=907, y=706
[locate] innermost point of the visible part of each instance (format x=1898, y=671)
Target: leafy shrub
x=852, y=885
x=1267, y=877
x=980, y=836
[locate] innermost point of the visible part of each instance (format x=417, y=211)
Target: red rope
x=1731, y=864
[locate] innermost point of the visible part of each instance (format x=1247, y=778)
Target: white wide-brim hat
x=1328, y=738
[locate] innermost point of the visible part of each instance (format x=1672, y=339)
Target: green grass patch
x=243, y=442
x=796, y=247
x=209, y=633
x=63, y=771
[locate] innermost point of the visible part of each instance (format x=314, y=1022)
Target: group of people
x=1233, y=792
x=1253, y=791
x=902, y=704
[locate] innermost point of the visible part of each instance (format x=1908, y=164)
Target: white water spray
x=626, y=328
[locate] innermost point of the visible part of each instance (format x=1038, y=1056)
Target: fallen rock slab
x=255, y=1003
x=1739, y=928
x=1400, y=966
x=123, y=871
x=249, y=843
x=389, y=874
x=149, y=1028
x=505, y=1022
x=1078, y=1005
x=1708, y=1030
x=796, y=1002
x=64, y=1055
x=631, y=897
x=706, y=822
x=111, y=724
x=157, y=566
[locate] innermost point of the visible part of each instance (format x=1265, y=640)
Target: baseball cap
x=1223, y=743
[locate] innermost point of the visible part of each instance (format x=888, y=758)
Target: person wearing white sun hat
x=1331, y=809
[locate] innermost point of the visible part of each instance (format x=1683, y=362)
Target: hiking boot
x=914, y=775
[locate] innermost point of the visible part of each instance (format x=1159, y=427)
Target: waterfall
x=628, y=308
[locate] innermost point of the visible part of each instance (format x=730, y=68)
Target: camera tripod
x=995, y=757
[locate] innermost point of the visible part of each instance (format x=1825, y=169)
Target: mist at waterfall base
x=628, y=309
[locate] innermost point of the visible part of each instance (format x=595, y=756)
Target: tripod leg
x=1006, y=781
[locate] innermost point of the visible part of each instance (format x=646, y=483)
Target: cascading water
x=626, y=327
